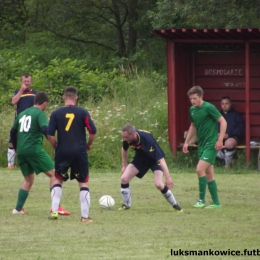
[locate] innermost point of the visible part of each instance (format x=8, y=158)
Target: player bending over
x=148, y=155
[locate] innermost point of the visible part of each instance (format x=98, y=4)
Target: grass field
x=147, y=231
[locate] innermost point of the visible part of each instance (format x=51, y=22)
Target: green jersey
x=28, y=125
x=205, y=119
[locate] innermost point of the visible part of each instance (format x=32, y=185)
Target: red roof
x=209, y=34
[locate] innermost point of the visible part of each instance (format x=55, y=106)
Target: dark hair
x=70, y=92
x=196, y=90
x=40, y=98
x=226, y=97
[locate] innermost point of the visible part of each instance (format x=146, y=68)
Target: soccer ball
x=106, y=202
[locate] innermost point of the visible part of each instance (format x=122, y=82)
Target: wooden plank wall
x=223, y=74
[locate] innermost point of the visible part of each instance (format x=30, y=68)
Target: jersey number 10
x=25, y=122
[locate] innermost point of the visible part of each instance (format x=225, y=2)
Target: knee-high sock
x=213, y=189
x=202, y=188
x=126, y=194
x=228, y=156
x=22, y=196
x=168, y=196
x=10, y=156
x=56, y=194
x=84, y=198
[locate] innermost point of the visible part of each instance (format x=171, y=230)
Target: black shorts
x=77, y=162
x=143, y=164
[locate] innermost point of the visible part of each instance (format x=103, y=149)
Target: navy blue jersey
x=71, y=122
x=26, y=100
x=145, y=146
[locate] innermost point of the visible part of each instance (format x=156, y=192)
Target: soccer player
x=23, y=98
x=204, y=117
x=71, y=148
x=27, y=133
x=148, y=155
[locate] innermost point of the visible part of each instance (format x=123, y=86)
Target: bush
x=122, y=98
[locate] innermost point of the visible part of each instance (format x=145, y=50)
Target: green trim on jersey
x=205, y=119
x=28, y=125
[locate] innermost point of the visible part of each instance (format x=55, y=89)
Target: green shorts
x=36, y=162
x=208, y=154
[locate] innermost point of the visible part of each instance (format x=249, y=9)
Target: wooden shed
x=224, y=62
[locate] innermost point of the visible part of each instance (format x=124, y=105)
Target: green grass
x=147, y=231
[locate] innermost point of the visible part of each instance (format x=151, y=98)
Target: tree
x=13, y=20
x=110, y=24
x=206, y=14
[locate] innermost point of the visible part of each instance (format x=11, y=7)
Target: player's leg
x=56, y=190
x=80, y=172
x=221, y=155
x=56, y=194
x=51, y=175
x=84, y=198
x=229, y=151
x=130, y=172
x=23, y=193
x=201, y=172
x=213, y=189
x=10, y=155
x=167, y=193
x=43, y=163
x=210, y=154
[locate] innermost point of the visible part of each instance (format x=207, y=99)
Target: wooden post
x=247, y=91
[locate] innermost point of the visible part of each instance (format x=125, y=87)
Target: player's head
x=26, y=79
x=70, y=92
x=225, y=104
x=41, y=99
x=196, y=96
x=128, y=133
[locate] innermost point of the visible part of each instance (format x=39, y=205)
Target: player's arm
x=222, y=130
x=51, y=131
x=90, y=141
x=124, y=155
x=191, y=133
x=52, y=141
x=91, y=129
x=44, y=130
x=17, y=96
x=168, y=180
x=13, y=134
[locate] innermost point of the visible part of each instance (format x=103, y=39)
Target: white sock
x=221, y=155
x=84, y=198
x=170, y=198
x=126, y=196
x=229, y=156
x=56, y=194
x=10, y=157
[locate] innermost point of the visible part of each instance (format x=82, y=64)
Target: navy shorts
x=144, y=164
x=77, y=162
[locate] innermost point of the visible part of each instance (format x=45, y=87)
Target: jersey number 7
x=70, y=117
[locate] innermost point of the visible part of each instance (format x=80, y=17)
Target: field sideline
x=147, y=231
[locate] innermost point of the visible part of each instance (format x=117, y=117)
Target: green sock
x=202, y=188
x=22, y=196
x=213, y=189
